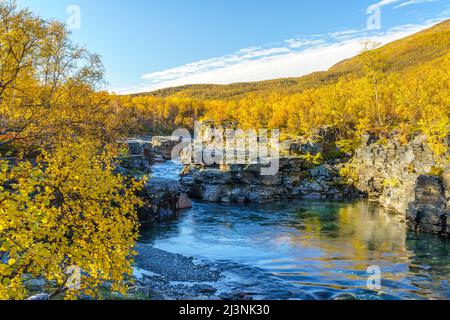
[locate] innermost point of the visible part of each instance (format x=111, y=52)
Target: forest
x=402, y=86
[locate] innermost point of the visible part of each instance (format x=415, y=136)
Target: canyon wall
x=404, y=178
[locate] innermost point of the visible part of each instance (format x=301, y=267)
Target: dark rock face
x=399, y=177
x=143, y=154
x=428, y=211
x=163, y=198
x=135, y=161
x=160, y=149
x=135, y=148
x=296, y=179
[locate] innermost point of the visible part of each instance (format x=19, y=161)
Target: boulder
x=212, y=193
x=162, y=200
x=428, y=210
x=184, y=202
x=135, y=148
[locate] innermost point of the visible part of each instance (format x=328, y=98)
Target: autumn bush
x=62, y=207
x=68, y=210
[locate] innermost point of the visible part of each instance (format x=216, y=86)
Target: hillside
x=403, y=86
x=400, y=55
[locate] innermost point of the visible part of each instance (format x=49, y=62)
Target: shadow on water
x=323, y=247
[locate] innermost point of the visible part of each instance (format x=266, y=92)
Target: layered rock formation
x=296, y=179
x=160, y=149
x=302, y=172
x=136, y=160
x=143, y=153
x=404, y=178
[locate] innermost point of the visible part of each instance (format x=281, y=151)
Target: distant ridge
x=401, y=55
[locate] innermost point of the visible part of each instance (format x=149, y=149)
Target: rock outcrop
x=296, y=179
x=163, y=198
x=302, y=172
x=143, y=153
x=404, y=178
x=136, y=160
x=160, y=148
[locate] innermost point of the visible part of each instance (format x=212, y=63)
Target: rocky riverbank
x=161, y=275
x=405, y=178
x=296, y=179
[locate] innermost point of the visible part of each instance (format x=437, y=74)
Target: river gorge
x=302, y=249
x=225, y=150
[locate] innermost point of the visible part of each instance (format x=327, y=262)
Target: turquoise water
x=323, y=247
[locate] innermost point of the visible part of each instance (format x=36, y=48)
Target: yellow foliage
x=48, y=85
x=391, y=183
x=436, y=171
x=393, y=87
x=68, y=210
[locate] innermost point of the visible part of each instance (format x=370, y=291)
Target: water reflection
x=323, y=247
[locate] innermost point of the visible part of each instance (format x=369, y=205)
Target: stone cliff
x=405, y=178
x=296, y=179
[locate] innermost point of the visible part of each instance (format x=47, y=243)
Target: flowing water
x=323, y=247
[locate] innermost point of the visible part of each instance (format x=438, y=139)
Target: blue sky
x=150, y=44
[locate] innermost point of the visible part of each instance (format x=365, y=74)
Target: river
x=322, y=247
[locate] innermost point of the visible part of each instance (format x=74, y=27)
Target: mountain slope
x=400, y=55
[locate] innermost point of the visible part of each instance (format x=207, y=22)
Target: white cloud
x=247, y=54
x=386, y=2
x=407, y=3
x=296, y=43
x=403, y=3
x=293, y=58
x=383, y=3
